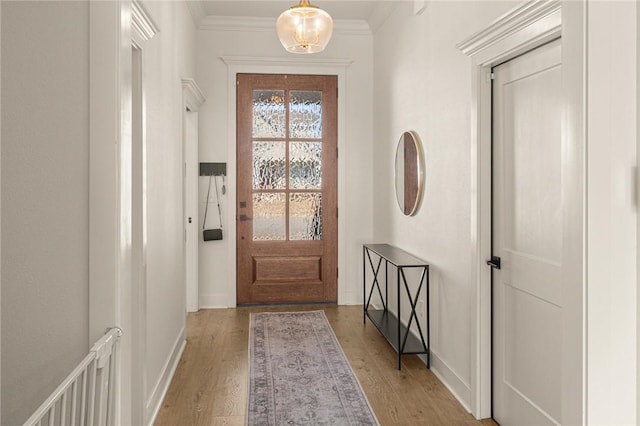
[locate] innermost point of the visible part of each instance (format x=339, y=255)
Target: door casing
x=192, y=99
x=524, y=28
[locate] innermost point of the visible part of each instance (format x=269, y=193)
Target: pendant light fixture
x=304, y=28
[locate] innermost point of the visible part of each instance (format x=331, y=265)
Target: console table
x=388, y=323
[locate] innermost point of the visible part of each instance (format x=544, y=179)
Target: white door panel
x=532, y=358
x=527, y=236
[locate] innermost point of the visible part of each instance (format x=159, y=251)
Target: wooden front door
x=287, y=188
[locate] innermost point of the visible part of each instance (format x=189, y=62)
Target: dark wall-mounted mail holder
x=213, y=169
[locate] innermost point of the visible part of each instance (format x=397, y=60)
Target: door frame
x=275, y=65
x=522, y=29
x=114, y=28
x=192, y=99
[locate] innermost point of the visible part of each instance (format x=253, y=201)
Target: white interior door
x=527, y=236
x=191, y=208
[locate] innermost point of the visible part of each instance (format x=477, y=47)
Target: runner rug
x=299, y=375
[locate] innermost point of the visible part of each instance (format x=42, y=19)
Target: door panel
x=527, y=235
x=287, y=197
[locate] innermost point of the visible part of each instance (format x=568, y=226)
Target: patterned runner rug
x=299, y=375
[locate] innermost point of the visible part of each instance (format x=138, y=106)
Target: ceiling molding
x=193, y=96
x=510, y=23
x=380, y=14
x=286, y=61
x=196, y=8
x=142, y=22
x=252, y=24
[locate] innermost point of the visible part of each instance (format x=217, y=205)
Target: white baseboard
x=214, y=301
x=350, y=298
x=160, y=389
x=460, y=390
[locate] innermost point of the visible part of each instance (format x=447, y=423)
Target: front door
x=527, y=236
x=287, y=188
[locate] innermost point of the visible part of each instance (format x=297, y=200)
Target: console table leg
x=399, y=316
x=364, y=285
x=428, y=323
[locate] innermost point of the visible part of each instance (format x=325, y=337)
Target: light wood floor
x=210, y=383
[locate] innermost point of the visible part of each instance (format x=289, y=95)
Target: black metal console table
x=388, y=323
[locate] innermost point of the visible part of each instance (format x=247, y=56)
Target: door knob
x=495, y=262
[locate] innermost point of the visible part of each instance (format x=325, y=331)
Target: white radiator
x=87, y=396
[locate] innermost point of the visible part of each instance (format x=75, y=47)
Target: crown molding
x=380, y=14
x=196, y=9
x=251, y=24
x=142, y=22
x=286, y=61
x=193, y=96
x=513, y=21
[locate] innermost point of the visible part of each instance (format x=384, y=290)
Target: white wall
x=422, y=83
x=638, y=216
x=45, y=199
x=217, y=272
x=45, y=196
x=168, y=57
x=611, y=286
x=0, y=212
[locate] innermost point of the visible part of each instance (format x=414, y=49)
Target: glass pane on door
x=269, y=114
x=305, y=114
x=269, y=165
x=305, y=165
x=269, y=216
x=305, y=216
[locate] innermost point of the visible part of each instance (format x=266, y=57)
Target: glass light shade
x=304, y=28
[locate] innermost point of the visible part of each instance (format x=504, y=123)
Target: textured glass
x=269, y=165
x=269, y=118
x=305, y=114
x=305, y=165
x=305, y=216
x=269, y=216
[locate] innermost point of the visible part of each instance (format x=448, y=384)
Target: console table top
x=395, y=255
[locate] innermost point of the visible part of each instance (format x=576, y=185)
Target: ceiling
x=338, y=9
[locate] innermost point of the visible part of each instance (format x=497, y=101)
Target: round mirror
x=409, y=173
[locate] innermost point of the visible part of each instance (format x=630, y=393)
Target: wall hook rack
x=213, y=169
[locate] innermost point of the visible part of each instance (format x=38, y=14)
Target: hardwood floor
x=210, y=383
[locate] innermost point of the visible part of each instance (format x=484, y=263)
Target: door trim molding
x=110, y=38
x=524, y=24
x=192, y=99
x=141, y=22
x=193, y=96
x=519, y=30
x=279, y=65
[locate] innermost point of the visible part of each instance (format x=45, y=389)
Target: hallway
x=209, y=386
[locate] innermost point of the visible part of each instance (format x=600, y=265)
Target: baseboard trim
x=460, y=390
x=349, y=298
x=214, y=301
x=160, y=389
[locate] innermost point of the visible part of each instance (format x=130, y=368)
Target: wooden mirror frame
x=409, y=173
